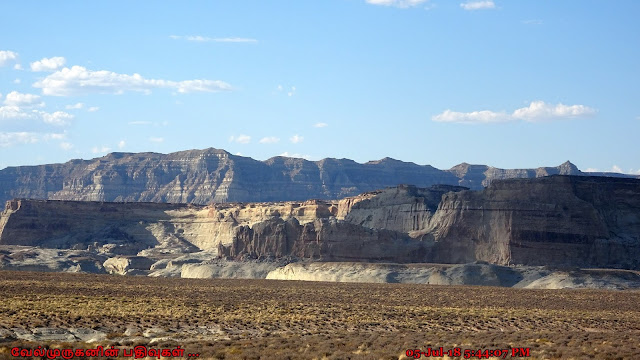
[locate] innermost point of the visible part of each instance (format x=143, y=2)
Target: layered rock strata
x=560, y=221
x=213, y=175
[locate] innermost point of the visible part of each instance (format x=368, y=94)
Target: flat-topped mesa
x=557, y=220
x=214, y=175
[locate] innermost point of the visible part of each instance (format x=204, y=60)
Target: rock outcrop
x=405, y=208
x=566, y=221
x=323, y=240
x=558, y=220
x=213, y=175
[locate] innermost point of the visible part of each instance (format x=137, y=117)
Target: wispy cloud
x=290, y=92
x=532, y=22
x=536, y=111
x=269, y=140
x=58, y=118
x=66, y=146
x=93, y=109
x=48, y=64
x=139, y=122
x=156, y=139
x=199, y=38
x=74, y=106
x=8, y=139
x=295, y=155
x=13, y=112
x=122, y=144
x=7, y=57
x=296, y=139
x=100, y=149
x=78, y=80
x=478, y=5
x=403, y=4
x=615, y=169
x=241, y=139
x=320, y=125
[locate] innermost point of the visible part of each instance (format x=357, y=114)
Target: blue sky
x=510, y=84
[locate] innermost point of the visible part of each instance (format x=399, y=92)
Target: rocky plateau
x=527, y=232
x=214, y=175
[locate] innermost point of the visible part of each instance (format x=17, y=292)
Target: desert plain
x=272, y=319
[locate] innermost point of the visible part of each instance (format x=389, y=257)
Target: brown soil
x=266, y=319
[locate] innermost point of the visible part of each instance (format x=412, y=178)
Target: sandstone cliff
x=559, y=220
x=323, y=240
x=574, y=221
x=130, y=228
x=212, y=175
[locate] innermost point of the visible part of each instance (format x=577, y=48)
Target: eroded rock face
x=213, y=175
x=405, y=208
x=324, y=240
x=560, y=220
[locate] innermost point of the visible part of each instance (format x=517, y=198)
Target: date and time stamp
x=469, y=353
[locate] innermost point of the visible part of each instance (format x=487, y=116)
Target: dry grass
x=261, y=319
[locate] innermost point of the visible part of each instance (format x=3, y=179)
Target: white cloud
x=8, y=139
x=15, y=98
x=78, y=80
x=189, y=86
x=17, y=67
x=100, y=150
x=55, y=136
x=199, y=38
x=93, y=109
x=66, y=146
x=269, y=140
x=122, y=144
x=536, y=111
x=74, y=106
x=478, y=5
x=17, y=81
x=156, y=139
x=58, y=118
x=13, y=112
x=616, y=169
x=295, y=155
x=296, y=139
x=397, y=3
x=484, y=116
x=290, y=92
x=48, y=64
x=241, y=139
x=140, y=123
x=320, y=125
x=7, y=56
